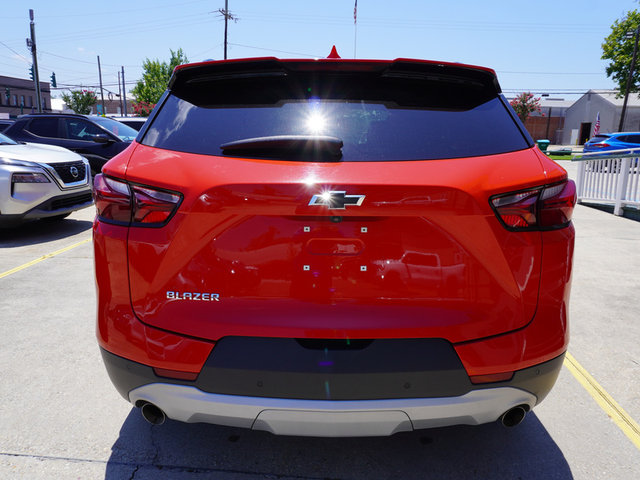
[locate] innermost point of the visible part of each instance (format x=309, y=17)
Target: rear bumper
x=447, y=398
x=325, y=418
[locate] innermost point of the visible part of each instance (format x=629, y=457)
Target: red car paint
x=424, y=256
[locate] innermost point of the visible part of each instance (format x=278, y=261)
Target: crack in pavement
x=171, y=468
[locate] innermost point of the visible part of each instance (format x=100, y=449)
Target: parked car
x=241, y=250
x=612, y=141
x=40, y=182
x=95, y=138
x=134, y=122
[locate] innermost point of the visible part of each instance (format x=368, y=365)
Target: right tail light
x=548, y=207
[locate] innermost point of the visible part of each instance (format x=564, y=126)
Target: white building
x=581, y=116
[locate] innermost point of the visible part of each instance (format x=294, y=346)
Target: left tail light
x=125, y=203
x=547, y=207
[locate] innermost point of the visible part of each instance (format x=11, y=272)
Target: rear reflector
x=135, y=205
x=543, y=208
x=494, y=377
x=177, y=374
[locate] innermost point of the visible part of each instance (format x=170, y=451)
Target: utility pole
x=101, y=91
x=227, y=16
x=120, y=93
x=124, y=92
x=31, y=43
x=633, y=64
x=355, y=27
x=226, y=21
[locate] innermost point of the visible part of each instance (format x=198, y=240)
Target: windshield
x=4, y=140
x=122, y=131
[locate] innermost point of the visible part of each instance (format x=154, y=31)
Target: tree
x=618, y=49
x=525, y=104
x=80, y=101
x=155, y=80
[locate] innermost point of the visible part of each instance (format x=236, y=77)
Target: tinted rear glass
x=378, y=119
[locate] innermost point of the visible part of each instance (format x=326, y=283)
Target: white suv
x=40, y=181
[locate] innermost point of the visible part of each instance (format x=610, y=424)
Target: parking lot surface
x=60, y=417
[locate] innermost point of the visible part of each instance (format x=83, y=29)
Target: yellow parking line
x=44, y=257
x=630, y=428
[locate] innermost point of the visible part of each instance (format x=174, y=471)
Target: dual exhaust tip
x=512, y=417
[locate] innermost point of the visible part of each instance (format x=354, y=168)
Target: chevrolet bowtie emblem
x=336, y=200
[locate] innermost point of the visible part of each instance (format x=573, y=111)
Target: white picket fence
x=611, y=178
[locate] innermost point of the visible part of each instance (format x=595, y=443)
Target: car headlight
x=29, y=178
x=16, y=163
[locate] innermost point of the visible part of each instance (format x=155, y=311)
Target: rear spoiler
x=204, y=72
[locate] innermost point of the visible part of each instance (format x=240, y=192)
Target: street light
x=633, y=64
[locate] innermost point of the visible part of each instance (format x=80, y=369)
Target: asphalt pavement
x=61, y=418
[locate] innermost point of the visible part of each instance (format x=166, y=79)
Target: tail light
x=129, y=204
x=543, y=208
x=599, y=145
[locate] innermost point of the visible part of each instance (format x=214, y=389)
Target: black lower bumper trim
x=284, y=368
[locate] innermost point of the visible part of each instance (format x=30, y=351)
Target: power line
x=274, y=50
x=19, y=54
x=86, y=61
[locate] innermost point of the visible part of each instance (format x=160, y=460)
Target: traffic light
x=7, y=92
x=53, y=80
x=31, y=72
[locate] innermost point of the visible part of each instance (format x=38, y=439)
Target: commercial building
x=18, y=96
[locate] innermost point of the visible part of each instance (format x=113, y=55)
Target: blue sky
x=539, y=46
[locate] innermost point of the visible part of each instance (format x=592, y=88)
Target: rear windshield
x=377, y=119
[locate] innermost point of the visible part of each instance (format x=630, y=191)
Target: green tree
x=155, y=79
x=525, y=104
x=618, y=49
x=80, y=101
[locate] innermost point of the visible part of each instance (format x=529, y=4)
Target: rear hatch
x=334, y=199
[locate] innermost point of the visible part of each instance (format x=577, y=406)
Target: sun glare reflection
x=316, y=123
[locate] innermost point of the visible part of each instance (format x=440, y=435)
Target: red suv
x=333, y=248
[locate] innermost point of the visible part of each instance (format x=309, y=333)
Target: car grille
x=66, y=171
x=70, y=201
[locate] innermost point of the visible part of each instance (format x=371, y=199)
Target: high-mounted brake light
x=543, y=208
x=135, y=205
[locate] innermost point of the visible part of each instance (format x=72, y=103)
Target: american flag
x=596, y=127
x=355, y=13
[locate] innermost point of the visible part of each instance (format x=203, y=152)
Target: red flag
x=355, y=13
x=596, y=127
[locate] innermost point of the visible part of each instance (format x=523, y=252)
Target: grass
x=559, y=157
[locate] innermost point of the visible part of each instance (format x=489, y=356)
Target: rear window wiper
x=287, y=147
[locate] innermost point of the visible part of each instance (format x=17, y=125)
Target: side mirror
x=102, y=138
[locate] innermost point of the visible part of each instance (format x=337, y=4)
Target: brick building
x=18, y=96
x=548, y=124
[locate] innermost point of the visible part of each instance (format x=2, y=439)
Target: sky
x=542, y=46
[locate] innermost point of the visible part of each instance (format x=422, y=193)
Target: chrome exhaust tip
x=152, y=414
x=514, y=416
